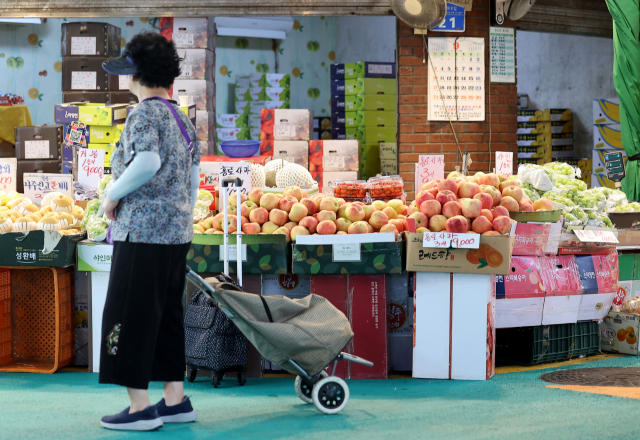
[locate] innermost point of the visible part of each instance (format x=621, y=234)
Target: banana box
x=560, y=114
x=534, y=152
x=564, y=151
x=534, y=140
x=585, y=165
x=544, y=115
x=561, y=127
x=598, y=179
x=534, y=127
x=535, y=161
x=607, y=137
x=565, y=139
x=599, y=160
x=606, y=111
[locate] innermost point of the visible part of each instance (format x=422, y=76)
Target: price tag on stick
x=504, y=163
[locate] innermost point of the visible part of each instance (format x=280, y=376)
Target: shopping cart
x=303, y=336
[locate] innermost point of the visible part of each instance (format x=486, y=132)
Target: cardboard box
x=90, y=39
x=562, y=152
x=534, y=140
x=254, y=121
x=293, y=151
x=373, y=136
x=324, y=179
x=42, y=142
x=519, y=312
x=387, y=103
x=243, y=80
x=535, y=161
x=270, y=80
x=326, y=156
x=90, y=113
x=86, y=73
x=200, y=92
x=388, y=150
x=255, y=108
x=197, y=64
x=278, y=105
x=454, y=327
x=279, y=94
x=599, y=281
x=189, y=33
x=545, y=115
x=601, y=179
x=585, y=165
x=67, y=167
x=543, y=152
x=607, y=137
x=400, y=321
x=108, y=151
x=363, y=69
x=205, y=123
x=619, y=333
x=243, y=107
x=531, y=239
x=243, y=94
x=563, y=291
x=421, y=259
x=254, y=133
x=558, y=140
x=364, y=86
x=286, y=125
x=606, y=111
x=370, y=164
x=98, y=134
x=389, y=166
x=533, y=127
x=341, y=121
x=598, y=161
x=561, y=127
x=232, y=134
x=19, y=249
x=523, y=281
x=236, y=120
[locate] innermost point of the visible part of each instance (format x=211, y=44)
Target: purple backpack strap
x=177, y=118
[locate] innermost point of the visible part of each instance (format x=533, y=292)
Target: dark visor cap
x=120, y=66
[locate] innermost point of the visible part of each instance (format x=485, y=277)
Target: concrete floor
x=516, y=405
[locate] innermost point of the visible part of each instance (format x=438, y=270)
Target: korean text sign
x=504, y=163
x=8, y=173
x=90, y=167
x=241, y=170
x=37, y=185
x=429, y=167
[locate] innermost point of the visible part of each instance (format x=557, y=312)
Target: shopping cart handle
x=232, y=180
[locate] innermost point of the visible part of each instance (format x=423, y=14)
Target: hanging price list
x=503, y=55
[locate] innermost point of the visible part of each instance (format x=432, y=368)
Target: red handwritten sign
x=90, y=167
x=596, y=236
x=504, y=163
x=429, y=167
x=8, y=167
x=450, y=239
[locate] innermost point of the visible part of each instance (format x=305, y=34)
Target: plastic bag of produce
x=563, y=169
x=97, y=228
x=536, y=176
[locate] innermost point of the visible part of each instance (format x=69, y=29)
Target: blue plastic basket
x=240, y=148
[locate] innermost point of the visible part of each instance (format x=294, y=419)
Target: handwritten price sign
x=37, y=185
x=429, y=167
x=90, y=167
x=596, y=236
x=236, y=169
x=450, y=239
x=504, y=163
x=8, y=174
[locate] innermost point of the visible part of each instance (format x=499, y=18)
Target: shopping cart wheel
x=215, y=381
x=303, y=390
x=191, y=374
x=330, y=395
x=242, y=378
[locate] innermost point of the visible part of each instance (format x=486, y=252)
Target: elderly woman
x=155, y=169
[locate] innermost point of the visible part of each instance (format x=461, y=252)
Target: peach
x=278, y=217
x=233, y=199
x=298, y=230
x=431, y=185
x=507, y=183
x=390, y=228
x=451, y=209
x=269, y=201
x=485, y=199
x=368, y=210
x=283, y=231
x=457, y=224
x=422, y=230
x=378, y=219
x=359, y=227
x=317, y=198
x=491, y=233
x=397, y=205
x=420, y=218
x=500, y=211
x=487, y=213
x=411, y=210
x=423, y=196
x=509, y=203
x=526, y=207
x=502, y=224
x=454, y=174
x=473, y=179
x=399, y=224
x=431, y=208
x=259, y=215
x=370, y=229
x=269, y=228
x=481, y=225
x=448, y=185
x=379, y=205
x=326, y=227
x=294, y=191
x=286, y=203
x=291, y=225
x=437, y=223
x=446, y=196
x=251, y=228
x=495, y=194
x=341, y=233
x=489, y=179
x=326, y=215
x=329, y=204
x=298, y=212
x=391, y=213
x=310, y=223
x=255, y=195
x=514, y=192
x=342, y=209
x=312, y=207
x=468, y=190
x=542, y=204
x=355, y=213
x=471, y=208
x=501, y=177
x=341, y=201
x=342, y=224
x=279, y=196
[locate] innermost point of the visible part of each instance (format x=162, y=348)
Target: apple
x=378, y=219
x=509, y=203
x=493, y=192
x=247, y=207
x=298, y=212
x=326, y=227
x=446, y=196
x=526, y=207
x=542, y=204
x=233, y=199
x=514, y=192
x=255, y=195
x=342, y=224
x=481, y=225
x=487, y=213
x=232, y=210
x=243, y=220
x=391, y=213
x=342, y=209
x=468, y=190
x=341, y=201
x=278, y=217
x=399, y=224
x=310, y=223
x=437, y=223
x=423, y=196
x=473, y=179
x=431, y=208
x=471, y=208
x=290, y=225
x=283, y=231
x=489, y=179
x=294, y=191
x=359, y=227
x=318, y=198
x=421, y=219
x=453, y=174
x=379, y=205
x=485, y=199
x=286, y=203
x=502, y=224
x=448, y=185
x=422, y=230
x=251, y=228
x=329, y=204
x=298, y=230
x=390, y=228
x=411, y=210
x=492, y=233
x=326, y=215
x=499, y=211
x=258, y=215
x=341, y=233
x=397, y=205
x=368, y=210
x=355, y=213
x=269, y=228
x=451, y=209
x=501, y=177
x=507, y=183
x=457, y=224
x=312, y=207
x=269, y=201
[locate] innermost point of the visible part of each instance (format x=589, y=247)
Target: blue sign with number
x=453, y=21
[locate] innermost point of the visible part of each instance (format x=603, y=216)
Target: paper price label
x=346, y=252
x=36, y=149
x=596, y=236
x=429, y=167
x=333, y=162
x=182, y=39
x=123, y=82
x=83, y=46
x=84, y=80
x=90, y=167
x=8, y=174
x=241, y=170
x=284, y=131
x=186, y=70
x=233, y=253
x=504, y=163
x=380, y=69
x=37, y=185
x=450, y=240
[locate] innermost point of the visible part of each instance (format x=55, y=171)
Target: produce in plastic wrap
x=271, y=169
x=97, y=228
x=103, y=183
x=563, y=168
x=258, y=178
x=629, y=207
x=205, y=196
x=631, y=305
x=201, y=210
x=294, y=175
x=535, y=175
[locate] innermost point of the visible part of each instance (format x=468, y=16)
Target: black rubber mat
x=596, y=377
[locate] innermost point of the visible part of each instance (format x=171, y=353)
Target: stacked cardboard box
x=363, y=107
x=285, y=133
x=607, y=138
x=544, y=135
x=38, y=149
x=85, y=46
x=322, y=128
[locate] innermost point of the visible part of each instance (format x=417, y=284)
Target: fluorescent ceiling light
x=21, y=20
x=254, y=27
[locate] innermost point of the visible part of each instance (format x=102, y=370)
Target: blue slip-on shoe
x=181, y=413
x=145, y=420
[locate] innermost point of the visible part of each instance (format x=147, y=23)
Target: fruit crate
x=39, y=308
x=547, y=343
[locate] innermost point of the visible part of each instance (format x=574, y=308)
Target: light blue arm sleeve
x=141, y=169
x=195, y=183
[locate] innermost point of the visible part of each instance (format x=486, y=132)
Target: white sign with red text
x=37, y=185
x=596, y=236
x=450, y=240
x=429, y=167
x=504, y=163
x=8, y=166
x=90, y=167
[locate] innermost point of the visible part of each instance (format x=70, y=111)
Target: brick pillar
x=419, y=136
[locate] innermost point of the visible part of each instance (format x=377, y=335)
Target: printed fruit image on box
x=619, y=333
x=560, y=275
x=485, y=256
x=523, y=281
x=232, y=120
